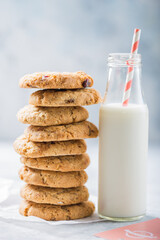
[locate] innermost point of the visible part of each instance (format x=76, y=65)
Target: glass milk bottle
x=123, y=144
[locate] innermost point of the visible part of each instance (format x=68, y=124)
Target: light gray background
x=71, y=35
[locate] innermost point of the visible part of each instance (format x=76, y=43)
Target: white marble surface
x=26, y=230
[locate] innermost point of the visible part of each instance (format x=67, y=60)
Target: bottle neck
x=116, y=81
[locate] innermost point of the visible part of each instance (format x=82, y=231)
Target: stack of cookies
x=52, y=148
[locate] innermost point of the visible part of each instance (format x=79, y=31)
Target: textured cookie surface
x=52, y=179
x=56, y=98
x=59, y=163
x=52, y=212
x=72, y=131
x=56, y=80
x=57, y=196
x=31, y=149
x=44, y=116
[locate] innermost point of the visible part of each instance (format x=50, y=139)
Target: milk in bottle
x=123, y=145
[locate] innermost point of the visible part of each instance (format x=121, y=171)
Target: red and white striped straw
x=130, y=73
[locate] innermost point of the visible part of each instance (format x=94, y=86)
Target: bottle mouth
x=124, y=59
